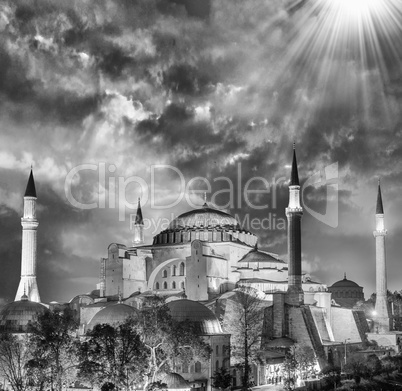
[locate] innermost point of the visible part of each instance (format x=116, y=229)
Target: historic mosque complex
x=196, y=264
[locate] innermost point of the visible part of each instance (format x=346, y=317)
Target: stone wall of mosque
x=344, y=325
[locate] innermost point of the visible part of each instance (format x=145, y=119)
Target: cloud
x=210, y=88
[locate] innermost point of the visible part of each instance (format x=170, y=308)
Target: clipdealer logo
x=110, y=191
x=329, y=178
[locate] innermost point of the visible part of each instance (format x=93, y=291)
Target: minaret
x=294, y=214
x=381, y=319
x=138, y=226
x=28, y=285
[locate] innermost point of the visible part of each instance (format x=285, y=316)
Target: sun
x=356, y=8
x=345, y=52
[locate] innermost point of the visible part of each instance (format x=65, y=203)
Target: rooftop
x=203, y=217
x=112, y=314
x=345, y=283
x=206, y=322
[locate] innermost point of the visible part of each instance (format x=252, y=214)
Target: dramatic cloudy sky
x=217, y=88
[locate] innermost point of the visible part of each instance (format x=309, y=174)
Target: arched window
x=217, y=350
x=184, y=368
x=197, y=367
x=164, y=273
x=165, y=285
x=181, y=271
x=157, y=285
x=217, y=365
x=173, y=285
x=174, y=267
x=182, y=285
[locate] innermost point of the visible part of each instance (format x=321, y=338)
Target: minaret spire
x=294, y=213
x=30, y=190
x=28, y=286
x=379, y=207
x=138, y=226
x=138, y=216
x=382, y=319
x=294, y=178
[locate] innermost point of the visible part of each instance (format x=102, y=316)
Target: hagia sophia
x=197, y=264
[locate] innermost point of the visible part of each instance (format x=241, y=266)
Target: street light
x=348, y=339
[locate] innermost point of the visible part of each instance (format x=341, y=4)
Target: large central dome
x=207, y=224
x=205, y=217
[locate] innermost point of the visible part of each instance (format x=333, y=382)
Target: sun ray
x=346, y=52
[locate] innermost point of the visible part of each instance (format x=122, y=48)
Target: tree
x=53, y=346
x=366, y=368
x=108, y=386
x=14, y=355
x=168, y=342
x=157, y=386
x=388, y=366
x=356, y=367
x=289, y=367
x=373, y=366
x=332, y=376
x=221, y=379
x=305, y=358
x=244, y=322
x=113, y=355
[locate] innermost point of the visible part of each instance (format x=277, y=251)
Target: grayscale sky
x=215, y=89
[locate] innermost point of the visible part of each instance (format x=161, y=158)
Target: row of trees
x=374, y=371
x=138, y=350
x=132, y=353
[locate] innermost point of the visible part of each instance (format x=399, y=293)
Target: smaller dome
x=112, y=314
x=94, y=293
x=345, y=283
x=16, y=316
x=205, y=321
x=175, y=382
x=259, y=256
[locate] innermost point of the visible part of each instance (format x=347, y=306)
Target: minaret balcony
x=29, y=223
x=294, y=210
x=381, y=232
